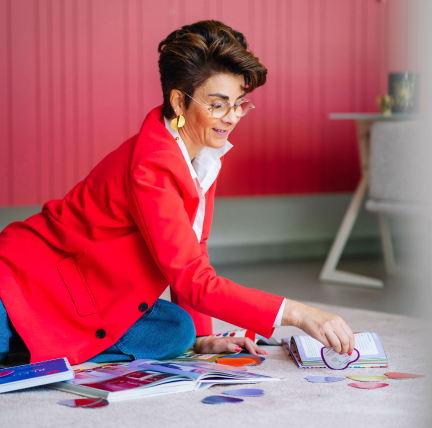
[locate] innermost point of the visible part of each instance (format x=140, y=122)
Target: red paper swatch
x=236, y=362
x=368, y=385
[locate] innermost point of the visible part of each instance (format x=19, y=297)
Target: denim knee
x=165, y=331
x=182, y=331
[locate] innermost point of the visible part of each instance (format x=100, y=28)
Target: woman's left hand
x=220, y=345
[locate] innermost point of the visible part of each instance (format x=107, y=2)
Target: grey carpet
x=292, y=401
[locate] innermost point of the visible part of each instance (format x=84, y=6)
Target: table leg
x=329, y=272
x=387, y=244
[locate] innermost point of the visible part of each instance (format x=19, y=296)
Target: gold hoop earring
x=177, y=123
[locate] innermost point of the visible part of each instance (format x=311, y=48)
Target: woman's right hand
x=331, y=330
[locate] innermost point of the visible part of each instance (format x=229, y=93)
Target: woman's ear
x=176, y=101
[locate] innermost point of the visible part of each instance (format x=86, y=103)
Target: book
x=306, y=351
x=145, y=378
x=36, y=374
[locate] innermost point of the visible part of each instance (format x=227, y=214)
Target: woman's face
x=201, y=129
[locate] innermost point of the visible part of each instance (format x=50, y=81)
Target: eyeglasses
x=220, y=109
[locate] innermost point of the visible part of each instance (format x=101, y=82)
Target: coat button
x=100, y=334
x=143, y=307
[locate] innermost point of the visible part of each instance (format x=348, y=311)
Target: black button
x=100, y=334
x=143, y=307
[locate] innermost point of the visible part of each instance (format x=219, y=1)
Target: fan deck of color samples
x=306, y=351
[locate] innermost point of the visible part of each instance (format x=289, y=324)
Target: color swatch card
x=336, y=361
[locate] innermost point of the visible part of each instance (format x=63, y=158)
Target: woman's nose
x=230, y=117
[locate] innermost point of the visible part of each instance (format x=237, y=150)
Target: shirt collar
x=206, y=164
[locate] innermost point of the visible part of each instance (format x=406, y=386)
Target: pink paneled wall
x=77, y=78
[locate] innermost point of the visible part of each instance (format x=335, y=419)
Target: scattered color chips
x=245, y=356
x=323, y=379
x=366, y=378
x=87, y=403
x=368, y=385
x=399, y=375
x=245, y=392
x=218, y=399
x=6, y=372
x=255, y=358
x=237, y=362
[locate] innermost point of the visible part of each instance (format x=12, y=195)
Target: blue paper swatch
x=323, y=379
x=217, y=399
x=245, y=392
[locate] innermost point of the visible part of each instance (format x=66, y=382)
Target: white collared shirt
x=204, y=169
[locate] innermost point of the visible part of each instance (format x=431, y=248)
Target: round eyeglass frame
x=235, y=107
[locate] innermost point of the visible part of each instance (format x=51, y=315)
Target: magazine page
x=101, y=373
x=199, y=372
x=189, y=370
x=135, y=379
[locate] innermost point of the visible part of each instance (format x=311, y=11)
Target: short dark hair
x=194, y=53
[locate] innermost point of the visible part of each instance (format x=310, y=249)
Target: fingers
x=331, y=330
x=213, y=345
x=324, y=341
x=249, y=344
x=232, y=347
x=351, y=337
x=335, y=341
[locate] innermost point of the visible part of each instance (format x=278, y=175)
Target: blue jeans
x=163, y=332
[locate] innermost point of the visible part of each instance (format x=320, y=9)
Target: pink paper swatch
x=368, y=385
x=400, y=375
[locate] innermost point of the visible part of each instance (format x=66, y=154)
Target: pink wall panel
x=77, y=78
x=6, y=197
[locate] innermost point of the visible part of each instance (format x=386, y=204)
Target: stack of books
x=306, y=351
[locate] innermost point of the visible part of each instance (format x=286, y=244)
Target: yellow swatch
x=365, y=378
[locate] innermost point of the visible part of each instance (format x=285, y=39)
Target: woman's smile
x=201, y=129
x=221, y=132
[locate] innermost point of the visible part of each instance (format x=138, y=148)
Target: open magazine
x=142, y=378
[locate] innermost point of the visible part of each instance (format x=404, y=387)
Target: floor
x=298, y=280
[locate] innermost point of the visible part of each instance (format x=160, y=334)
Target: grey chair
x=399, y=157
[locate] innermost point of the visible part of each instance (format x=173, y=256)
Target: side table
x=329, y=273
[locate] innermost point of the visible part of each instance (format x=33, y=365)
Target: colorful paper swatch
x=368, y=385
x=87, y=403
x=335, y=361
x=400, y=375
x=323, y=379
x=218, y=399
x=245, y=392
x=258, y=360
x=366, y=378
x=241, y=355
x=237, y=362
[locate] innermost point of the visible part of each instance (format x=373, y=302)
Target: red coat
x=86, y=263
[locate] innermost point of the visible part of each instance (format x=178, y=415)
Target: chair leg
x=387, y=243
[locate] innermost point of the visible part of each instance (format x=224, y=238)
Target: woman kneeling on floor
x=82, y=279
